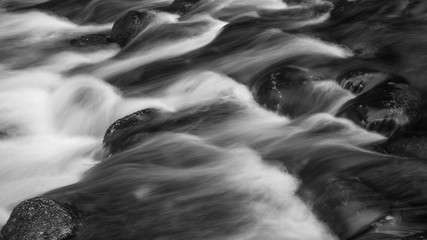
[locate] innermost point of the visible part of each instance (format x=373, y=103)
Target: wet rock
x=128, y=26
x=92, y=40
x=389, y=107
x=183, y=6
x=361, y=80
x=41, y=219
x=277, y=86
x=123, y=133
x=168, y=9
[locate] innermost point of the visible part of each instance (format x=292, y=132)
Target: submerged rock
x=92, y=40
x=183, y=6
x=128, y=26
x=408, y=147
x=41, y=219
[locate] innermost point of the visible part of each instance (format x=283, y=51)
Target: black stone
x=276, y=87
x=121, y=136
x=128, y=26
x=41, y=219
x=361, y=80
x=183, y=6
x=387, y=107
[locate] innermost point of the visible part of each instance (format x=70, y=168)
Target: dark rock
x=276, y=88
x=183, y=6
x=128, y=26
x=41, y=219
x=123, y=133
x=91, y=40
x=361, y=80
x=390, y=106
x=168, y=9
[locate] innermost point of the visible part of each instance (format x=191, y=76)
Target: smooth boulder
x=183, y=6
x=124, y=133
x=128, y=26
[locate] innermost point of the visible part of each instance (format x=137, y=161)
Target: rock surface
x=41, y=219
x=183, y=6
x=117, y=139
x=128, y=26
x=125, y=28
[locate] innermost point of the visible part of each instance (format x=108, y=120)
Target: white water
x=53, y=124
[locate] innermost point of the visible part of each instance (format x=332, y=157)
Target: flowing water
x=215, y=164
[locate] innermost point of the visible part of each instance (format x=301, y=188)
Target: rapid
x=219, y=152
